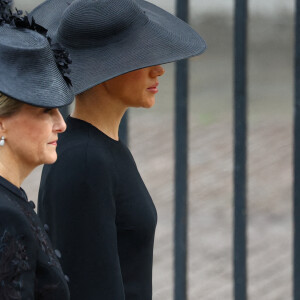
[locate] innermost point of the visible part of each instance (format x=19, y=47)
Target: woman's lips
x=54, y=143
x=153, y=89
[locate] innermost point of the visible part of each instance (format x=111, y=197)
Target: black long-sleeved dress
x=101, y=215
x=29, y=269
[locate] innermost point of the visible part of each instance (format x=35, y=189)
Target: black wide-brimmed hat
x=31, y=69
x=107, y=38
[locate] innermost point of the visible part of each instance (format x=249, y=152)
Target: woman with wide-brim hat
x=102, y=216
x=31, y=90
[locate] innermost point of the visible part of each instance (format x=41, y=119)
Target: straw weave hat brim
x=28, y=70
x=149, y=36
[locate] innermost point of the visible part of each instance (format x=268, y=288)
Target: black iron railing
x=240, y=150
x=181, y=167
x=296, y=277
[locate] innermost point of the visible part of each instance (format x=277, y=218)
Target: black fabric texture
x=101, y=216
x=29, y=268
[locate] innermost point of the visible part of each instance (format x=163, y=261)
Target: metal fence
x=240, y=150
x=240, y=158
x=296, y=276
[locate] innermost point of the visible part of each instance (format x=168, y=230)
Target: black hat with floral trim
x=33, y=70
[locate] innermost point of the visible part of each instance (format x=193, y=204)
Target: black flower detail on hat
x=63, y=60
x=5, y=12
x=18, y=20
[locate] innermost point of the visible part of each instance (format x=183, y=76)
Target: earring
x=2, y=141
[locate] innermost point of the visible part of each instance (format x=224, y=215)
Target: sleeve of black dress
x=17, y=256
x=84, y=226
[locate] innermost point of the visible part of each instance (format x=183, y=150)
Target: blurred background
x=270, y=77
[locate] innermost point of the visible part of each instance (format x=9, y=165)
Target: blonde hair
x=8, y=105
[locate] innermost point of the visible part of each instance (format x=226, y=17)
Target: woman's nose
x=157, y=71
x=60, y=124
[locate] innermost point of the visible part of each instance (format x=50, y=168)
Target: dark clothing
x=102, y=216
x=29, y=268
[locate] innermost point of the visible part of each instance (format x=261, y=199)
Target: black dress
x=101, y=215
x=29, y=269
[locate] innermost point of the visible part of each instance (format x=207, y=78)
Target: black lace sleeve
x=17, y=262
x=13, y=262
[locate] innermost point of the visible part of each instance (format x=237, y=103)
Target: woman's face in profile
x=31, y=134
x=137, y=88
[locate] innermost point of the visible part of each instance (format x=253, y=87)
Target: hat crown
x=94, y=22
x=28, y=69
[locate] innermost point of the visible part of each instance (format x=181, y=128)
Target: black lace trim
x=43, y=241
x=40, y=234
x=13, y=262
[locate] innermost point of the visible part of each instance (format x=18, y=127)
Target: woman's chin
x=149, y=104
x=51, y=159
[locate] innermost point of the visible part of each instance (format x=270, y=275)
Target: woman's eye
x=47, y=110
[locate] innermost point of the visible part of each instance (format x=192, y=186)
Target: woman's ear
x=2, y=126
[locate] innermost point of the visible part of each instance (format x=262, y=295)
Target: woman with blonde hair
x=31, y=90
x=102, y=216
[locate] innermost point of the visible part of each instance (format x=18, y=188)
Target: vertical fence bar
x=181, y=142
x=123, y=129
x=240, y=150
x=296, y=188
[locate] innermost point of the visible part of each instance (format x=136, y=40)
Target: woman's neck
x=12, y=170
x=103, y=112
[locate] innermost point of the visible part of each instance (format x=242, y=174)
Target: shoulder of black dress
x=13, y=218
